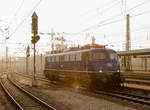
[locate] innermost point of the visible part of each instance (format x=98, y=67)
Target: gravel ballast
x=63, y=99
x=78, y=101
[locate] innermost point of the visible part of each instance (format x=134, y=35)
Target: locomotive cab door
x=86, y=80
x=86, y=58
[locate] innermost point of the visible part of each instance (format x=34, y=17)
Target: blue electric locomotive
x=90, y=68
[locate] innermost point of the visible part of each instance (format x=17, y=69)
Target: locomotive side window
x=46, y=59
x=57, y=58
x=99, y=55
x=49, y=59
x=61, y=58
x=78, y=57
x=90, y=57
x=66, y=57
x=53, y=58
x=72, y=57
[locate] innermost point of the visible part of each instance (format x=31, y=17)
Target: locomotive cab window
x=113, y=56
x=99, y=55
x=57, y=58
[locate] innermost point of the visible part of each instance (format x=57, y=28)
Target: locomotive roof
x=80, y=51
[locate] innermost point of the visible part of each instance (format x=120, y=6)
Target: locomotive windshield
x=99, y=55
x=113, y=56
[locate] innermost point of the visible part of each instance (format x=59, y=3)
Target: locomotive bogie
x=90, y=80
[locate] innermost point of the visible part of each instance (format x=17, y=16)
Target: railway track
x=31, y=76
x=137, y=81
x=133, y=78
x=136, y=99
x=133, y=98
x=136, y=76
x=22, y=99
x=43, y=82
x=5, y=102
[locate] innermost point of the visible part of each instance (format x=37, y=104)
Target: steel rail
x=126, y=96
x=11, y=97
x=33, y=96
x=31, y=76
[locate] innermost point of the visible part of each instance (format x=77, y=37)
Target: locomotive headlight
x=100, y=71
x=109, y=64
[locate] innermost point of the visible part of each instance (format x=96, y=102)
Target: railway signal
x=35, y=37
x=34, y=23
x=34, y=40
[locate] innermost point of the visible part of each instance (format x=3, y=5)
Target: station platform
x=139, y=80
x=147, y=88
x=136, y=72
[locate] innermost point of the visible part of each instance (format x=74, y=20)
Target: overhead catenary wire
x=19, y=4
x=123, y=41
x=110, y=7
x=115, y=21
x=114, y=4
x=138, y=5
x=92, y=10
x=85, y=29
x=37, y=4
x=101, y=25
x=133, y=31
x=142, y=13
x=134, y=43
x=127, y=10
x=111, y=22
x=114, y=17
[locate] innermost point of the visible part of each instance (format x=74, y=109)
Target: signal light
x=35, y=39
